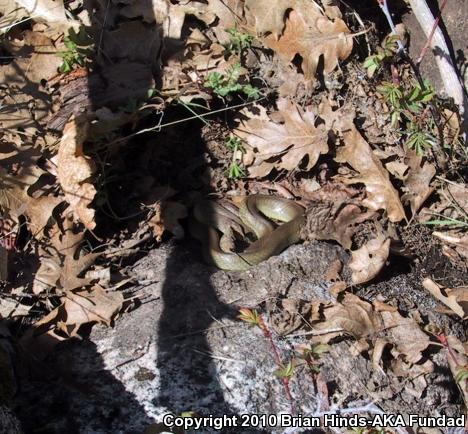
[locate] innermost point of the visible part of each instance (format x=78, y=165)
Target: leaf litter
x=312, y=142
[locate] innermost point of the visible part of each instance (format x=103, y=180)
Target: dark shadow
x=72, y=391
x=62, y=396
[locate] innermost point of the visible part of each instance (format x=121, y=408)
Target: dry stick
x=431, y=34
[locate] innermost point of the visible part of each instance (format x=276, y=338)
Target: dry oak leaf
x=456, y=299
x=266, y=18
x=74, y=171
x=166, y=218
x=358, y=154
x=359, y=319
x=60, y=268
x=417, y=182
x=406, y=336
x=311, y=35
x=367, y=261
x=282, y=143
x=94, y=305
x=352, y=316
x=457, y=240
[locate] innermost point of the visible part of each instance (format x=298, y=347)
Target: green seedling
x=386, y=51
x=228, y=84
x=78, y=50
x=238, y=41
x=285, y=371
x=250, y=316
x=462, y=374
x=409, y=105
x=235, y=145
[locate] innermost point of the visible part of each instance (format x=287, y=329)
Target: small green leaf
x=462, y=375
x=285, y=371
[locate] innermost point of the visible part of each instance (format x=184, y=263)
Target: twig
x=431, y=34
x=384, y=6
x=159, y=126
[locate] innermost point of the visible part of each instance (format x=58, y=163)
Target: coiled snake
x=209, y=217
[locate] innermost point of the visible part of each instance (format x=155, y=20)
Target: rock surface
x=184, y=350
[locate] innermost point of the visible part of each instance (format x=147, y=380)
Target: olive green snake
x=253, y=214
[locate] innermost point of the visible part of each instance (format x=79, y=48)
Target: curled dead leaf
x=83, y=307
x=367, y=261
x=405, y=335
x=460, y=242
x=74, y=170
x=456, y=299
x=357, y=153
x=352, y=316
x=166, y=218
x=417, y=182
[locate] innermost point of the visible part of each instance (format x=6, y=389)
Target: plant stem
x=431, y=34
x=277, y=360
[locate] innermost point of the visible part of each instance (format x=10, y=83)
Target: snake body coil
x=212, y=217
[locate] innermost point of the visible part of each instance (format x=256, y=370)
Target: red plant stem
x=277, y=360
x=443, y=340
x=431, y=35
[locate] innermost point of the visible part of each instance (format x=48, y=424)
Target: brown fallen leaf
x=58, y=266
x=282, y=140
x=51, y=11
x=35, y=59
x=358, y=318
x=357, y=153
x=39, y=211
x=397, y=168
x=267, y=19
x=367, y=261
x=456, y=298
x=166, y=218
x=313, y=36
x=455, y=247
x=352, y=316
x=74, y=171
x=417, y=182
x=457, y=358
x=405, y=335
x=19, y=174
x=91, y=306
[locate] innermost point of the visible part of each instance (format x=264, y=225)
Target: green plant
x=228, y=83
x=285, y=371
x=408, y=103
x=386, y=51
x=462, y=374
x=250, y=316
x=235, y=145
x=78, y=50
x=419, y=140
x=238, y=41
x=447, y=221
x=311, y=354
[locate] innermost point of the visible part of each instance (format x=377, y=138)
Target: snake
x=254, y=215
